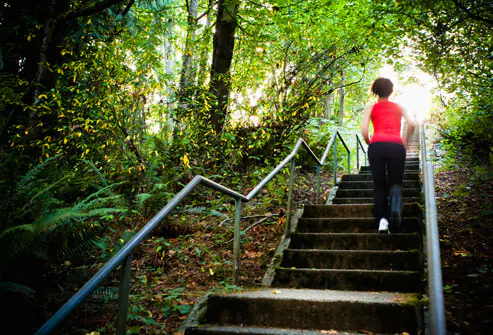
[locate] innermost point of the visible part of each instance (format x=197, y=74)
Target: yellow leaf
x=122, y=240
x=186, y=161
x=211, y=272
x=42, y=96
x=65, y=141
x=276, y=292
x=87, y=151
x=89, y=21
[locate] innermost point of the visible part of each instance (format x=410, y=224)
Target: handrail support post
x=236, y=243
x=357, y=152
x=121, y=316
x=318, y=185
x=349, y=162
x=335, y=161
x=289, y=205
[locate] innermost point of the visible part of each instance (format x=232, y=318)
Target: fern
x=105, y=294
x=202, y=210
x=101, y=176
x=33, y=173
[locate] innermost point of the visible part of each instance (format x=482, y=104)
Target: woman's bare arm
x=365, y=124
x=410, y=127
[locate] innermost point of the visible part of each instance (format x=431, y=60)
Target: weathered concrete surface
x=344, y=201
x=317, y=309
x=368, y=193
x=367, y=177
x=352, y=259
x=361, y=210
x=353, y=225
x=368, y=184
x=205, y=330
x=347, y=279
x=361, y=241
x=283, y=245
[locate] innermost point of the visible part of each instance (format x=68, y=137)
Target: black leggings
x=387, y=162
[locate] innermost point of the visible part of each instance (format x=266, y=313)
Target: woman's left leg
x=395, y=176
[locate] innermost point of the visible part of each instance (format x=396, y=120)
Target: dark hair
x=382, y=87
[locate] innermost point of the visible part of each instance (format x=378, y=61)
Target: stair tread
x=356, y=234
x=358, y=251
x=213, y=329
x=378, y=271
x=395, y=298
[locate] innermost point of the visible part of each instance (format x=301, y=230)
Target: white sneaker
x=383, y=227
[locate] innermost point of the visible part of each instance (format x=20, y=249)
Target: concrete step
x=352, y=259
x=356, y=241
x=231, y=330
x=367, y=177
x=368, y=193
x=341, y=201
x=369, y=184
x=358, y=210
x=408, y=167
x=351, y=280
x=311, y=310
x=353, y=225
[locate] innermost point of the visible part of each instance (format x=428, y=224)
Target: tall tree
x=187, y=72
x=222, y=56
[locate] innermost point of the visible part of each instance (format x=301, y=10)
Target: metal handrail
x=359, y=145
x=123, y=256
x=435, y=283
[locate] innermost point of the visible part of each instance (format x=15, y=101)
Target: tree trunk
x=341, y=100
x=327, y=105
x=204, y=54
x=223, y=46
x=187, y=73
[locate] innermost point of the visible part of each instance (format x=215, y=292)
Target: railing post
x=357, y=152
x=318, y=184
x=292, y=172
x=236, y=245
x=121, y=316
x=335, y=160
x=349, y=162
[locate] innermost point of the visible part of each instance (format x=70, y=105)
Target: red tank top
x=386, y=118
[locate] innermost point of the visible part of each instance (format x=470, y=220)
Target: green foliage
x=41, y=226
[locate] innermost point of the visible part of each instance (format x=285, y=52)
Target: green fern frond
x=33, y=173
x=109, y=189
x=105, y=294
x=102, y=178
x=141, y=199
x=70, y=214
x=29, y=227
x=98, y=202
x=16, y=287
x=46, y=189
x=203, y=210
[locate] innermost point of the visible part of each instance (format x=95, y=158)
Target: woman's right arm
x=365, y=124
x=410, y=126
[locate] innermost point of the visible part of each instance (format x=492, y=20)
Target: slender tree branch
x=461, y=6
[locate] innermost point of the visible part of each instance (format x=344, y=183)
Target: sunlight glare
x=414, y=97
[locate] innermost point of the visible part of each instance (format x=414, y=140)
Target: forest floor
x=465, y=219
x=184, y=260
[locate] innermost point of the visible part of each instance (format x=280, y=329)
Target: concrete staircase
x=334, y=274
